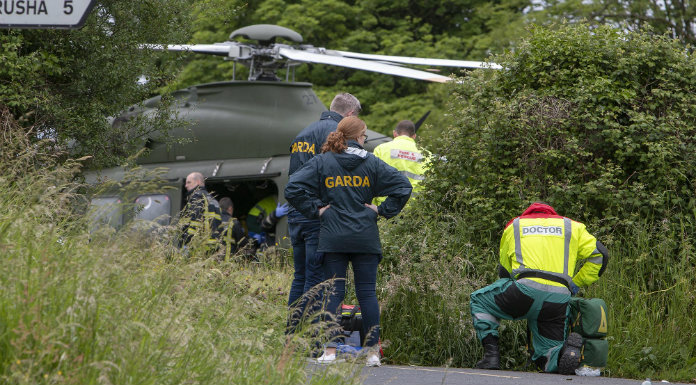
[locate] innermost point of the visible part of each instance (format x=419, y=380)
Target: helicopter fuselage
x=239, y=136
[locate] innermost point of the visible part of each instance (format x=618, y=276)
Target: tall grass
x=123, y=307
x=426, y=281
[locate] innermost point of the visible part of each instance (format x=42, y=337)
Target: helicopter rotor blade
x=389, y=69
x=218, y=49
x=417, y=60
x=421, y=120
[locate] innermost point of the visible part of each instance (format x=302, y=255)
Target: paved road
x=419, y=375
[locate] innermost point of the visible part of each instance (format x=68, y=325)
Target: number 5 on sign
x=46, y=14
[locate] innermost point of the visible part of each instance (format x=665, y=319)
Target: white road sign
x=44, y=13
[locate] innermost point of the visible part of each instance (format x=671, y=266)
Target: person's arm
x=507, y=248
x=190, y=219
x=215, y=217
x=596, y=258
x=302, y=190
x=393, y=185
x=268, y=224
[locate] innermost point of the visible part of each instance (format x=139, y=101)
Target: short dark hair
x=405, y=127
x=226, y=203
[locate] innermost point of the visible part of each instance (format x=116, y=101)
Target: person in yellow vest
x=403, y=154
x=262, y=219
x=538, y=253
x=201, y=215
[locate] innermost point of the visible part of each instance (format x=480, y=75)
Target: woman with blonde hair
x=337, y=187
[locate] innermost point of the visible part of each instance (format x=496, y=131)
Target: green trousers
x=544, y=307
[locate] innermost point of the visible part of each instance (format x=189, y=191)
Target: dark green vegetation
x=63, y=84
x=600, y=124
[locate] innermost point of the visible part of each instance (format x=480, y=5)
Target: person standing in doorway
x=201, y=216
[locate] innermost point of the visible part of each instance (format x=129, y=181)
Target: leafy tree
x=65, y=83
x=675, y=18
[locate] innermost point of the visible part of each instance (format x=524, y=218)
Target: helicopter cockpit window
x=155, y=207
x=105, y=211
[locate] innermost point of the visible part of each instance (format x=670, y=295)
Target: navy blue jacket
x=308, y=142
x=347, y=181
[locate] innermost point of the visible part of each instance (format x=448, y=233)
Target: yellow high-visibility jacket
x=542, y=243
x=402, y=154
x=259, y=212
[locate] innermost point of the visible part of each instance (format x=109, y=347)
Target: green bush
x=598, y=122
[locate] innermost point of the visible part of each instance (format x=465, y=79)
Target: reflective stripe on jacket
x=542, y=241
x=201, y=216
x=259, y=212
x=232, y=236
x=403, y=154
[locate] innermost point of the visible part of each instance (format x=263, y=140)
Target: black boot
x=569, y=359
x=491, y=354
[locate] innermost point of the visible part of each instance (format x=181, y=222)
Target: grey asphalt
x=419, y=375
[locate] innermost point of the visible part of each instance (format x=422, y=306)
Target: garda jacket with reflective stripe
x=540, y=242
x=200, y=216
x=402, y=154
x=232, y=235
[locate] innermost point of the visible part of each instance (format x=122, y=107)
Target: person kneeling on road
x=538, y=252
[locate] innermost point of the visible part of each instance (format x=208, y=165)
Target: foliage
x=672, y=18
x=105, y=307
x=454, y=29
x=65, y=83
x=598, y=122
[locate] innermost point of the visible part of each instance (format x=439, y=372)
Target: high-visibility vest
x=402, y=154
x=550, y=245
x=257, y=213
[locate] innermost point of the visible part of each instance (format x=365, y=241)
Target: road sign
x=44, y=13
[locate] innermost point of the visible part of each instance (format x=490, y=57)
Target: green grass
x=125, y=308
x=426, y=279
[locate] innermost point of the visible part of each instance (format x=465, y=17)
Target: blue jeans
x=365, y=278
x=304, y=235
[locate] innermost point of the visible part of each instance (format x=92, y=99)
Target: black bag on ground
x=351, y=323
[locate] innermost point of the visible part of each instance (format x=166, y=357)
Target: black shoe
x=569, y=360
x=491, y=358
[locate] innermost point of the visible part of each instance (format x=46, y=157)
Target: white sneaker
x=373, y=361
x=328, y=359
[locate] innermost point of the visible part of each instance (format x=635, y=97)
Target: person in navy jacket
x=304, y=232
x=337, y=187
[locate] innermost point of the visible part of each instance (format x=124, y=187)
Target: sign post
x=49, y=14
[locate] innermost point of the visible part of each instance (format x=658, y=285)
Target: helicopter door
x=249, y=198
